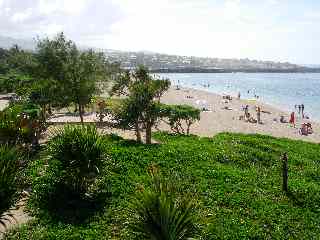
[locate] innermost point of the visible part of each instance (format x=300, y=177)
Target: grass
x=9, y=168
x=235, y=180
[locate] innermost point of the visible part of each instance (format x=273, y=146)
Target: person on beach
x=302, y=110
x=259, y=115
x=292, y=120
x=246, y=112
x=299, y=107
x=239, y=95
x=282, y=119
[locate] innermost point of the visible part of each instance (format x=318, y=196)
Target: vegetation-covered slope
x=235, y=180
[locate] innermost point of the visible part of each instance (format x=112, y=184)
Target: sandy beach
x=218, y=119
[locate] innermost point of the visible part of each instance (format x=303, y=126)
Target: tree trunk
x=43, y=113
x=50, y=110
x=148, y=133
x=138, y=133
x=81, y=113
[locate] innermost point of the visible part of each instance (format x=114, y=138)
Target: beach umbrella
x=203, y=104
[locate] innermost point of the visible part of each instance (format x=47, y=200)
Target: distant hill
x=311, y=65
x=158, y=62
x=7, y=42
x=174, y=63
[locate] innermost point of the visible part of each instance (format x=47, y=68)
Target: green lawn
x=235, y=179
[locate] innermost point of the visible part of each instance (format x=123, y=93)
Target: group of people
x=255, y=95
x=306, y=128
x=300, y=109
x=249, y=118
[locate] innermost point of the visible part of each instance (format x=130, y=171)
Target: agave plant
x=159, y=215
x=9, y=164
x=80, y=153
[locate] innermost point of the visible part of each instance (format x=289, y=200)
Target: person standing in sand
x=302, y=110
x=259, y=115
x=292, y=120
x=246, y=112
x=299, y=109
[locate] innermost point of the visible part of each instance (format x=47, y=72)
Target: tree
x=70, y=75
x=179, y=114
x=53, y=56
x=140, y=109
x=85, y=70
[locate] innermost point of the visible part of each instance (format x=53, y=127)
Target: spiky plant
x=9, y=165
x=80, y=153
x=160, y=215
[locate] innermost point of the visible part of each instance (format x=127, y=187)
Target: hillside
x=173, y=63
x=234, y=179
x=7, y=42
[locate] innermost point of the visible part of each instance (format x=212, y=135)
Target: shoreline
x=280, y=108
x=223, y=116
x=219, y=119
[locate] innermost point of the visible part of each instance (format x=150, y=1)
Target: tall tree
x=85, y=70
x=141, y=109
x=74, y=75
x=53, y=57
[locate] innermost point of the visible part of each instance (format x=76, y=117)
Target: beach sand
x=219, y=120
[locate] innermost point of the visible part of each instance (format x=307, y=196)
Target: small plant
x=9, y=165
x=19, y=123
x=79, y=150
x=162, y=215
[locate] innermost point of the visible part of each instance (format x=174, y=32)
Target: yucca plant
x=80, y=153
x=161, y=215
x=9, y=165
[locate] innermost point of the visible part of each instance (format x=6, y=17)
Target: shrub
x=177, y=114
x=80, y=153
x=19, y=123
x=161, y=215
x=9, y=125
x=8, y=176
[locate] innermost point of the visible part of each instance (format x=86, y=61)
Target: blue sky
x=279, y=30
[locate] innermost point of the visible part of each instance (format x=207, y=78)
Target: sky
x=277, y=30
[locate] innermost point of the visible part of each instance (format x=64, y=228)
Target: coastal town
x=163, y=62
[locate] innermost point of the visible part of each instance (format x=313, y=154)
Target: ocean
x=282, y=90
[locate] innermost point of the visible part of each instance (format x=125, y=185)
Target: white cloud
x=21, y=16
x=264, y=29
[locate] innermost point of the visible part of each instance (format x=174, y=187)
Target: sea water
x=282, y=90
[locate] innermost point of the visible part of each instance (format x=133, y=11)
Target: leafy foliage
x=74, y=73
x=79, y=150
x=15, y=82
x=236, y=179
x=9, y=166
x=161, y=215
x=19, y=123
x=177, y=114
x=140, y=110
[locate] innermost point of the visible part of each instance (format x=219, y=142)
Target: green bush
x=9, y=166
x=14, y=82
x=80, y=152
x=179, y=114
x=161, y=214
x=236, y=179
x=19, y=123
